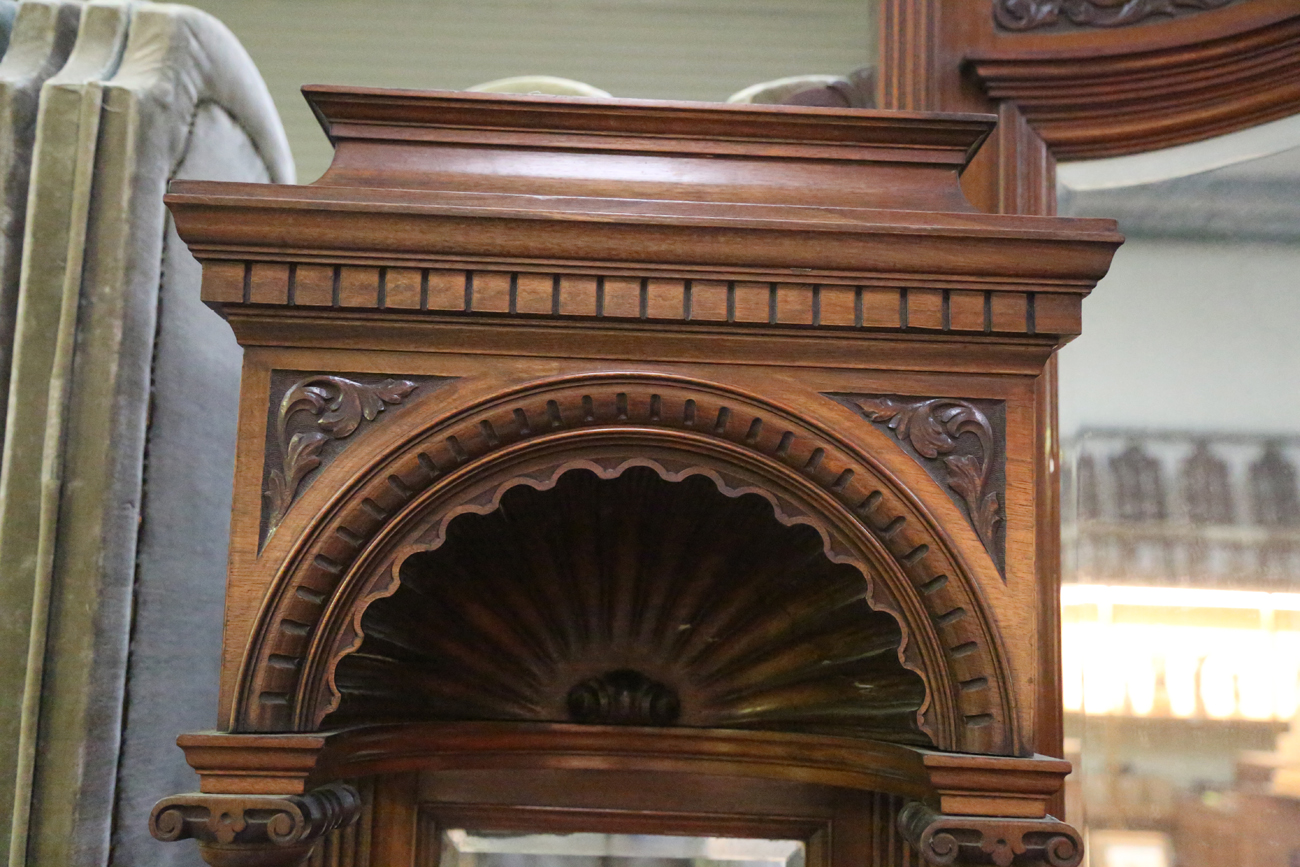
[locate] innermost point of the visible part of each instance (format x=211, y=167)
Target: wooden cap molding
x=520, y=207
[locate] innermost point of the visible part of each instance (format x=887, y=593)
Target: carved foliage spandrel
x=1033, y=14
x=933, y=428
x=308, y=415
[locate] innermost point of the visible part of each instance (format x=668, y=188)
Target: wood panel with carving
x=312, y=417
x=678, y=429
x=1033, y=14
x=957, y=436
x=1081, y=79
x=1190, y=70
x=682, y=448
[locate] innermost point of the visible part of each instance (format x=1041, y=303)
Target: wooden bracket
x=255, y=830
x=944, y=839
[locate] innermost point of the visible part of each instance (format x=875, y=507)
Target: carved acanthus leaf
x=941, y=839
x=339, y=405
x=1032, y=14
x=932, y=428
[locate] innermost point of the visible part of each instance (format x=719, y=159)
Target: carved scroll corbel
x=255, y=830
x=942, y=839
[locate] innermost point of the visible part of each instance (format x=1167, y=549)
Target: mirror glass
x=1181, y=506
x=462, y=848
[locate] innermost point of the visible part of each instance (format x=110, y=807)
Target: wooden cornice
x=293, y=764
x=633, y=125
x=404, y=228
x=643, y=150
x=1099, y=93
x=545, y=207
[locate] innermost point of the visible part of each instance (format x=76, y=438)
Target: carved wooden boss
x=639, y=467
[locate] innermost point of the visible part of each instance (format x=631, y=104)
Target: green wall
x=659, y=49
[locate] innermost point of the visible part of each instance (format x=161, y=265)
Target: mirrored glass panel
x=1181, y=596
x=462, y=848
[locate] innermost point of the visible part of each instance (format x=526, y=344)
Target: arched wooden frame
x=1147, y=81
x=449, y=464
x=1112, y=91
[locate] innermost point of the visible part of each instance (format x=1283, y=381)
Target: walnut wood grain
x=255, y=830
x=339, y=406
x=650, y=150
x=633, y=501
x=631, y=600
x=845, y=205
x=272, y=764
x=1105, y=93
x=836, y=303
x=743, y=258
x=933, y=429
x=943, y=840
x=468, y=466
x=1075, y=91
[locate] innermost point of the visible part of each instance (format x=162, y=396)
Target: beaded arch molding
x=462, y=461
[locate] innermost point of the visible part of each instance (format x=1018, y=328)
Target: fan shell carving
x=632, y=600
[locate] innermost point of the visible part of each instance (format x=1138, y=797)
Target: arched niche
x=630, y=599
x=686, y=439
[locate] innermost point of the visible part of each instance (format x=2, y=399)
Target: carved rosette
x=932, y=427
x=941, y=839
x=247, y=830
x=338, y=406
x=1031, y=14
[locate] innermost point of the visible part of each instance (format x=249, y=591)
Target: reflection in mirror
x=461, y=848
x=1181, y=513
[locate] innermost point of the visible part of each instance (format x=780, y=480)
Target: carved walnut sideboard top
x=487, y=291
x=572, y=427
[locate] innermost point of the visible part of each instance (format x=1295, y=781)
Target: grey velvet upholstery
x=186, y=102
x=8, y=9
x=127, y=527
x=41, y=37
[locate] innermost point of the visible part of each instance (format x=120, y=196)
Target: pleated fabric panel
x=114, y=495
x=40, y=35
